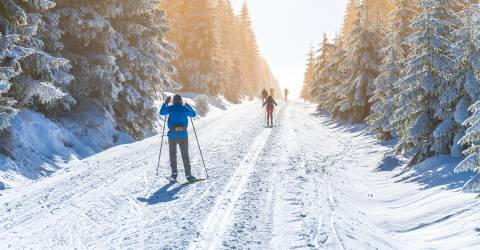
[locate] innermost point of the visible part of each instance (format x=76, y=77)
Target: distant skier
x=272, y=92
x=270, y=104
x=177, y=134
x=286, y=94
x=264, y=95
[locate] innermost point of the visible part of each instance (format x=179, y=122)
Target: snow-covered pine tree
x=193, y=31
x=383, y=105
x=31, y=76
x=426, y=78
x=361, y=64
x=378, y=10
x=445, y=132
x=145, y=64
x=119, y=57
x=308, y=76
x=394, y=53
x=228, y=39
x=90, y=42
x=471, y=140
x=249, y=52
x=465, y=91
x=319, y=77
x=335, y=76
x=199, y=52
x=350, y=18
x=8, y=70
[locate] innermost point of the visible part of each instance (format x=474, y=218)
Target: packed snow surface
x=306, y=183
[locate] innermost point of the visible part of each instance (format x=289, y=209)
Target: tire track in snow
x=217, y=221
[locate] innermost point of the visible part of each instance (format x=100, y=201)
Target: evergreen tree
x=308, y=77
x=249, y=52
x=7, y=72
x=426, y=77
x=228, y=39
x=361, y=63
x=378, y=10
x=335, y=76
x=471, y=140
x=394, y=53
x=145, y=64
x=193, y=31
x=350, y=18
x=383, y=97
x=120, y=58
x=321, y=61
x=465, y=91
x=30, y=76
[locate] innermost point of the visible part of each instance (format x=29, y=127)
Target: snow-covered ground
x=307, y=183
x=41, y=146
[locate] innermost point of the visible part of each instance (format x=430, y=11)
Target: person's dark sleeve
x=275, y=103
x=164, y=109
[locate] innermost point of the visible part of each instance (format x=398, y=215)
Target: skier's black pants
x=183, y=143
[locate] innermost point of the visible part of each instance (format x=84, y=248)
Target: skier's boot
x=173, y=176
x=191, y=178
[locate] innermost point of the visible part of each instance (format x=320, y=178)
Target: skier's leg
x=185, y=156
x=172, y=146
x=270, y=116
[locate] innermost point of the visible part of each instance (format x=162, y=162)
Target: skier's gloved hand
x=168, y=100
x=188, y=105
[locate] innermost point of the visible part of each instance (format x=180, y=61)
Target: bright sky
x=285, y=29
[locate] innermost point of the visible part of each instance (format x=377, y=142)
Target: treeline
x=217, y=49
x=56, y=56
x=410, y=69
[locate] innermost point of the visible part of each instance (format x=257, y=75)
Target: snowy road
x=307, y=183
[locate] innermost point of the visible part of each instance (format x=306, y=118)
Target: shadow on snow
x=166, y=193
x=434, y=172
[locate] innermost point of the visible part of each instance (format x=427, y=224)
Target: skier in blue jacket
x=177, y=133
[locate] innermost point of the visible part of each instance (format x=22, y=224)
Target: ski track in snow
x=307, y=183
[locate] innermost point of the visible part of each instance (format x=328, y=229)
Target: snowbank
x=38, y=146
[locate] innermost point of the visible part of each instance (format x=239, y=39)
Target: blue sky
x=285, y=29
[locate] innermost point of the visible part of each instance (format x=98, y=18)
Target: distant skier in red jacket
x=270, y=104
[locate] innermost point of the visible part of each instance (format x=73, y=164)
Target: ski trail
x=62, y=200
x=216, y=223
x=199, y=195
x=332, y=205
x=308, y=183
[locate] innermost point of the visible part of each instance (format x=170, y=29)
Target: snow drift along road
x=307, y=183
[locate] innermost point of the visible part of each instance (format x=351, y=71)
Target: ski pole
x=199, y=148
x=161, y=145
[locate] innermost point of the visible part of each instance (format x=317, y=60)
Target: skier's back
x=270, y=105
x=177, y=135
x=264, y=95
